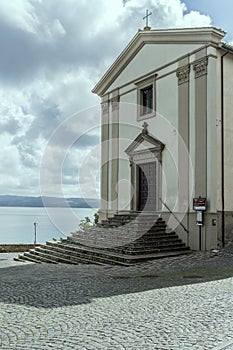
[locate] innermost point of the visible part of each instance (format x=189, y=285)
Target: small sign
x=199, y=204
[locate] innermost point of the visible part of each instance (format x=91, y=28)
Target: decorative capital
x=182, y=74
x=200, y=67
x=115, y=102
x=104, y=107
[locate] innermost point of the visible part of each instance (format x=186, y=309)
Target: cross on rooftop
x=146, y=17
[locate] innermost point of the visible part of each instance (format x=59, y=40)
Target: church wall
x=166, y=132
x=228, y=131
x=203, y=147
x=191, y=110
x=167, y=99
x=212, y=154
x=218, y=134
x=163, y=126
x=104, y=157
x=191, y=133
x=153, y=57
x=228, y=144
x=213, y=107
x=129, y=128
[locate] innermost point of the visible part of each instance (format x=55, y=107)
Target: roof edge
x=142, y=37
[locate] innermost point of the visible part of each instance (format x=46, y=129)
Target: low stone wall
x=16, y=248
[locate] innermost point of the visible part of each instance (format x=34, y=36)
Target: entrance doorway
x=147, y=194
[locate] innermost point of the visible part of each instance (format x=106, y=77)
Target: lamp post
x=35, y=227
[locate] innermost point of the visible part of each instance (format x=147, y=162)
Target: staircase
x=121, y=240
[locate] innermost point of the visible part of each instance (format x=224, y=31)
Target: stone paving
x=169, y=304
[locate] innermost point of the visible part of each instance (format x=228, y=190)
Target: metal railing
x=182, y=225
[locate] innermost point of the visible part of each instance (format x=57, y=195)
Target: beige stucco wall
x=228, y=130
x=213, y=107
x=163, y=126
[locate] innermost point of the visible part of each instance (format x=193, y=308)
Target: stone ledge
x=15, y=248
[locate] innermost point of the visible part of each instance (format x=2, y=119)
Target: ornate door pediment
x=144, y=146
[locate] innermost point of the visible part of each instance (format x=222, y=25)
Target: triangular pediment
x=184, y=36
x=142, y=142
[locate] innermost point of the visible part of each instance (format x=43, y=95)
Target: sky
x=53, y=52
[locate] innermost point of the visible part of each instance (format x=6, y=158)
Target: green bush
x=87, y=223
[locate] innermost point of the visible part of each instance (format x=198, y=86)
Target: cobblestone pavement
x=177, y=303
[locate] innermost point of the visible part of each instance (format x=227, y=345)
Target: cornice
x=207, y=35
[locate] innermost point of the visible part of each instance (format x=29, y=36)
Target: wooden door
x=147, y=186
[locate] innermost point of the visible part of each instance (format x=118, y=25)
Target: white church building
x=167, y=132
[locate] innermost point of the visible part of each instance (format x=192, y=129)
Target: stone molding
x=104, y=107
x=182, y=74
x=199, y=36
x=147, y=156
x=200, y=67
x=115, y=103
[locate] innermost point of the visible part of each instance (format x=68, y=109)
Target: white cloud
x=20, y=14
x=52, y=54
x=167, y=13
x=195, y=19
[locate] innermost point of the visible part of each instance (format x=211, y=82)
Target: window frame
x=142, y=86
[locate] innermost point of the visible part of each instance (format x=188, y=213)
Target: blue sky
x=219, y=11
x=52, y=55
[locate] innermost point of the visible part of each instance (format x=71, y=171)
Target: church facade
x=167, y=132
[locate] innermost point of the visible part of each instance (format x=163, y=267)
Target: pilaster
x=183, y=73
x=104, y=152
x=200, y=68
x=114, y=160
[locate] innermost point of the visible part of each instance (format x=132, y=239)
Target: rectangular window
x=147, y=100
x=146, y=97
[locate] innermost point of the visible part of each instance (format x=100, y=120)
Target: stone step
x=139, y=226
x=53, y=256
x=146, y=250
x=115, y=257
x=126, y=229
x=139, y=247
x=33, y=254
x=101, y=255
x=158, y=231
x=133, y=247
x=96, y=256
x=127, y=238
x=156, y=241
x=136, y=219
x=141, y=242
x=90, y=255
x=135, y=259
x=24, y=258
x=159, y=236
x=61, y=254
x=150, y=243
x=29, y=256
x=142, y=220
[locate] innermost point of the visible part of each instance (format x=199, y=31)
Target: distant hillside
x=23, y=201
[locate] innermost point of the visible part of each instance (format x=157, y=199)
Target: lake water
x=17, y=224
